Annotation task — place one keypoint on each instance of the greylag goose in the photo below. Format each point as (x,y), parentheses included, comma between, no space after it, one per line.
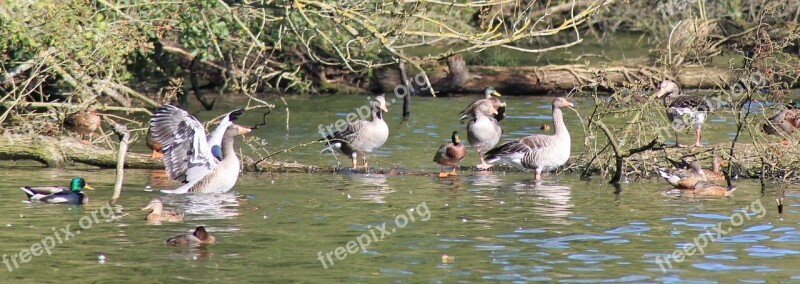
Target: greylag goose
(362,137)
(450,154)
(483,131)
(198,237)
(684,110)
(58,194)
(490,96)
(214,139)
(783,123)
(188,157)
(538,152)
(159,214)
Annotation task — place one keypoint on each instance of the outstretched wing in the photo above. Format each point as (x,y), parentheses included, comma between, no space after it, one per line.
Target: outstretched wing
(215,138)
(187,156)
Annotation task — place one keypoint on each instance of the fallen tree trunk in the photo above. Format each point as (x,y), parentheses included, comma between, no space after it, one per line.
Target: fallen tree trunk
(56,152)
(530,80)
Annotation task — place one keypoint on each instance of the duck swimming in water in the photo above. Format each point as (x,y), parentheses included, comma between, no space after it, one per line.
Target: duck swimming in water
(58,194)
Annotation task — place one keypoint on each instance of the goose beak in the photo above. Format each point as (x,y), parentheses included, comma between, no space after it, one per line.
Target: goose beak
(570,104)
(89,187)
(244,130)
(495,93)
(384,109)
(661,92)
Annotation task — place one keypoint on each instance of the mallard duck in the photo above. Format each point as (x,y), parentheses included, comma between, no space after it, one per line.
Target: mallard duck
(188,156)
(684,178)
(59,194)
(159,214)
(710,189)
(450,154)
(715,174)
(538,152)
(483,131)
(362,137)
(684,110)
(490,96)
(152,144)
(783,123)
(83,122)
(198,237)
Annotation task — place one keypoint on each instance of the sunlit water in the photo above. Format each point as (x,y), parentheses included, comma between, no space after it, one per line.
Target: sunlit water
(474,227)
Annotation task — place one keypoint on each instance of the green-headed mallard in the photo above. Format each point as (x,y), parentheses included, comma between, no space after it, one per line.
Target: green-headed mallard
(198,237)
(361,137)
(490,95)
(684,178)
(83,122)
(189,157)
(59,194)
(538,152)
(483,131)
(159,214)
(450,154)
(783,123)
(684,110)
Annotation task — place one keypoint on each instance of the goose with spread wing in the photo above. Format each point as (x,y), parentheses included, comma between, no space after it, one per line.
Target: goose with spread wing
(684,110)
(538,152)
(189,157)
(362,137)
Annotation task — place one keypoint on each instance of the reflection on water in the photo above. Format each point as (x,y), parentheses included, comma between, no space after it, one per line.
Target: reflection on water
(205,206)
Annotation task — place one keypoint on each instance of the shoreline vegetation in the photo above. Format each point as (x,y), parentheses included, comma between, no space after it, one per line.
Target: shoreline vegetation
(59,58)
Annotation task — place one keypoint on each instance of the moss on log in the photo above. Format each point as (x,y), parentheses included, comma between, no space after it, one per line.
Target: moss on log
(56,152)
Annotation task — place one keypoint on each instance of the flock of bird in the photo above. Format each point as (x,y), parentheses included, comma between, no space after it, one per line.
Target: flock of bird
(208,164)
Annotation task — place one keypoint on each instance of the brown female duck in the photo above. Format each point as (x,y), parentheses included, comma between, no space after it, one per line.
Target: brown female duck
(159,214)
(450,154)
(83,122)
(784,123)
(684,178)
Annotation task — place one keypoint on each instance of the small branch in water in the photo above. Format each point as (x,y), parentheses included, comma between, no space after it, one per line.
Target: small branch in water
(124,135)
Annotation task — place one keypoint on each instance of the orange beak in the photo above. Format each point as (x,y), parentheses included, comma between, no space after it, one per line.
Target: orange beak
(384,109)
(244,130)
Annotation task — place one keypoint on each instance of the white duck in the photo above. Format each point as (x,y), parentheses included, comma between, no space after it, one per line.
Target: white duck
(188,156)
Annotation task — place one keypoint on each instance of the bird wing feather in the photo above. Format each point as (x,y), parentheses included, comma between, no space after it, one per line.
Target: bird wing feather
(187,155)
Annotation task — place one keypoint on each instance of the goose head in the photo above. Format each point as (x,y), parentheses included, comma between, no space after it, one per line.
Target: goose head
(379,102)
(562,102)
(666,88)
(235,129)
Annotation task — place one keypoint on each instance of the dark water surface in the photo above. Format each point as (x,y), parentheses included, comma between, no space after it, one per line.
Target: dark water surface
(476,227)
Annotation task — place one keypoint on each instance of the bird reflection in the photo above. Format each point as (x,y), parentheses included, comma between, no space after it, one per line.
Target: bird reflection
(206,206)
(159,178)
(373,187)
(551,201)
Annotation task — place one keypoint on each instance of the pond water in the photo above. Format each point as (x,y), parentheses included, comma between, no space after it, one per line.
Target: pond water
(487,227)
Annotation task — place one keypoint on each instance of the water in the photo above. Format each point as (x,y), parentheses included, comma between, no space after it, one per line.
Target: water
(481,226)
